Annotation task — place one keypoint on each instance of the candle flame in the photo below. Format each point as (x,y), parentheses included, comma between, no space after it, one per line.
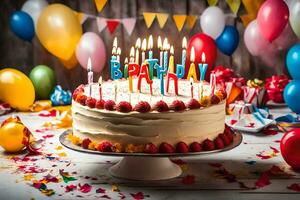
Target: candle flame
(165,44)
(126,60)
(203,57)
(131,52)
(184,43)
(118,51)
(115,43)
(100,80)
(114,51)
(172,50)
(144,44)
(138,43)
(192,54)
(159,43)
(150,42)
(89,65)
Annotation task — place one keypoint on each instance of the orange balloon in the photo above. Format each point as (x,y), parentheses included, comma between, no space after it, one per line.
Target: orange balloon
(71,63)
(59,30)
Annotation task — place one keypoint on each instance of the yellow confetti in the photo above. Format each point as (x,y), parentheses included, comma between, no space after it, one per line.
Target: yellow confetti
(28,177)
(58,148)
(114,188)
(63,154)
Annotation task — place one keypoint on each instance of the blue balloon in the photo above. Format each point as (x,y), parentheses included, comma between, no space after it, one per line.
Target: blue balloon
(22,25)
(293,61)
(292,95)
(228,41)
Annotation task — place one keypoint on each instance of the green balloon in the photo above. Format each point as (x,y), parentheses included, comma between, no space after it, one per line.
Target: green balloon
(44,81)
(295,16)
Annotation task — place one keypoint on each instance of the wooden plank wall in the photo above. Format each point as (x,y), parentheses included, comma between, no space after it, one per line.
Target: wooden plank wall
(24,55)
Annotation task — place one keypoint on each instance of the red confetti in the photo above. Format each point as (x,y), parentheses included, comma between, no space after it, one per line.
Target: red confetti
(250,125)
(51,113)
(70,188)
(274,149)
(86,188)
(100,190)
(263,180)
(270,132)
(47,136)
(233,121)
(105,196)
(294,187)
(188,180)
(121,195)
(139,195)
(264,156)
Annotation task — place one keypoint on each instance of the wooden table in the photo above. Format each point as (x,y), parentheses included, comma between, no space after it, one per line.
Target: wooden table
(237,174)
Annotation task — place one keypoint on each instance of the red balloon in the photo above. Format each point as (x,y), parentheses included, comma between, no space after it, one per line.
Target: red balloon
(290,147)
(202,43)
(272,18)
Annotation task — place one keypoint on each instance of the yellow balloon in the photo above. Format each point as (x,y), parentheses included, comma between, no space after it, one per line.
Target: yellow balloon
(16,89)
(11,137)
(59,30)
(71,63)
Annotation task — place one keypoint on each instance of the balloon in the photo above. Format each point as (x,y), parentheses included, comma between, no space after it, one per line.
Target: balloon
(16,89)
(291,95)
(212,21)
(91,46)
(295,16)
(293,61)
(34,8)
(290,147)
(254,41)
(71,63)
(22,25)
(44,81)
(272,17)
(202,43)
(59,30)
(286,39)
(228,41)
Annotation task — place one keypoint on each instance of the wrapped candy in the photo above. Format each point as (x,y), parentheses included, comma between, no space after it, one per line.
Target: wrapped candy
(255,93)
(60,97)
(275,86)
(238,109)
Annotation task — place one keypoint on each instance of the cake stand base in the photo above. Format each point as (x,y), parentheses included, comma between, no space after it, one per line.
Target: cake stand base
(145,168)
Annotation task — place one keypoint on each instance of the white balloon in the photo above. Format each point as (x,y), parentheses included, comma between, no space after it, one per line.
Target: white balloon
(212,21)
(34,8)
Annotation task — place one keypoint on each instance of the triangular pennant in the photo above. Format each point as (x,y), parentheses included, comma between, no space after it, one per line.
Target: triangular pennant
(191,20)
(162,19)
(212,2)
(112,24)
(149,18)
(100,4)
(234,5)
(179,21)
(129,24)
(101,23)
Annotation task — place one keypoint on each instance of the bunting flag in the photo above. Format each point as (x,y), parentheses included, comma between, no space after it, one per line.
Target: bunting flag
(212,2)
(112,24)
(234,5)
(252,7)
(100,4)
(162,19)
(179,21)
(81,17)
(149,18)
(191,20)
(101,23)
(129,24)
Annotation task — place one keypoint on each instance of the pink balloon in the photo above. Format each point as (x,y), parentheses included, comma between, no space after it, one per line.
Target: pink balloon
(272,17)
(91,46)
(254,41)
(286,39)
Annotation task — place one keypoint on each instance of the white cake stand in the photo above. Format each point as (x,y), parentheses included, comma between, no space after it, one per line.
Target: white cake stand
(142,166)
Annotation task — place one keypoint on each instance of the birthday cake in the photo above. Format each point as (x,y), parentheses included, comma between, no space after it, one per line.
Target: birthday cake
(137,115)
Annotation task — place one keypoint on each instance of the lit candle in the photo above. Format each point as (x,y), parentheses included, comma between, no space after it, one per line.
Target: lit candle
(192,87)
(144,47)
(160,47)
(183,56)
(131,55)
(165,48)
(202,67)
(171,60)
(212,83)
(126,68)
(114,53)
(115,42)
(100,87)
(90,76)
(133,70)
(152,63)
(115,65)
(150,46)
(118,54)
(137,46)
(192,70)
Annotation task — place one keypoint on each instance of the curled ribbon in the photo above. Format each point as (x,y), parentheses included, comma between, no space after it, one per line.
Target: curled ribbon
(275,86)
(60,96)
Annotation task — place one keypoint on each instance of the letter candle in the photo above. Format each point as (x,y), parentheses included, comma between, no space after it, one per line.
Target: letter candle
(100,87)
(212,83)
(202,68)
(192,87)
(160,47)
(171,60)
(160,75)
(165,48)
(90,76)
(150,46)
(131,61)
(152,63)
(192,70)
(118,54)
(144,47)
(126,68)
(183,55)
(137,46)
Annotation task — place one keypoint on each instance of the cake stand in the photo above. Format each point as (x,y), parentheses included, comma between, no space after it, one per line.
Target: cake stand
(142,166)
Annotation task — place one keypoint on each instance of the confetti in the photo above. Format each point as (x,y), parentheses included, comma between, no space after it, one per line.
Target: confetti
(58,148)
(86,188)
(51,113)
(100,190)
(47,136)
(270,132)
(105,196)
(114,188)
(28,177)
(70,188)
(66,176)
(294,187)
(139,195)
(188,180)
(63,154)
(264,156)
(43,188)
(263,180)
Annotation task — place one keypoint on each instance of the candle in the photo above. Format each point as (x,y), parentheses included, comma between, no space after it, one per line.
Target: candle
(131,55)
(100,87)
(113,53)
(183,55)
(118,54)
(192,87)
(202,67)
(171,60)
(144,47)
(192,70)
(144,74)
(115,65)
(137,46)
(175,80)
(160,75)
(160,47)
(115,42)
(150,46)
(165,48)
(126,68)
(90,76)
(152,63)
(212,83)
(133,70)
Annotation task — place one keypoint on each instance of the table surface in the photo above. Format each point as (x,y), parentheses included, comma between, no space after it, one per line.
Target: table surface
(240,173)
